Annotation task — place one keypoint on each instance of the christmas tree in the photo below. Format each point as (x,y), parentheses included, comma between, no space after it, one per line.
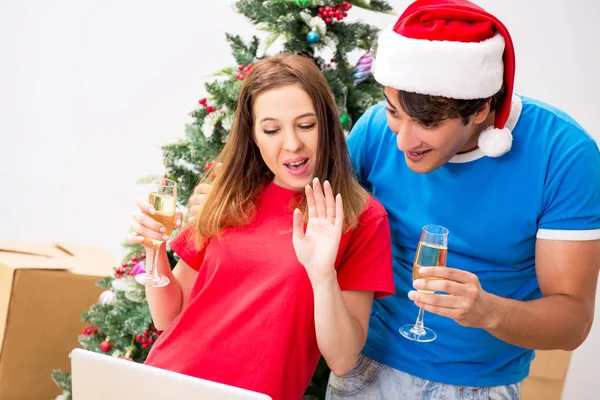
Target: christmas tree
(314,28)
(120,324)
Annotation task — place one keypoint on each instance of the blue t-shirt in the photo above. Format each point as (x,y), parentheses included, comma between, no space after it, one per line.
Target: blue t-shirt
(547,186)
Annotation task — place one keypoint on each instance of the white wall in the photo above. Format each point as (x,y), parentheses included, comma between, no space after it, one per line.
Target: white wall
(90,89)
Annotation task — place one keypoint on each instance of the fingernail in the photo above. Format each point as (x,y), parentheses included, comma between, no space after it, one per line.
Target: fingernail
(422,271)
(178,222)
(162,229)
(411,294)
(139,239)
(165,238)
(418,283)
(151,210)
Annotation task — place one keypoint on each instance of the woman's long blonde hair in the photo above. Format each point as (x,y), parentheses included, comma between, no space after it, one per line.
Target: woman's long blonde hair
(231,201)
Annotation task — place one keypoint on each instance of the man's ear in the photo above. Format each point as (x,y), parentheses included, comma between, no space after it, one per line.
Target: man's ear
(482,114)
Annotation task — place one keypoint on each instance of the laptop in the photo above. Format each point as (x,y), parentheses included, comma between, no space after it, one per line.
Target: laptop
(101,377)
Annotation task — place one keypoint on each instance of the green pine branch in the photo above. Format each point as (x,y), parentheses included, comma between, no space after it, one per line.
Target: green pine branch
(243,53)
(63,381)
(373,5)
(353,35)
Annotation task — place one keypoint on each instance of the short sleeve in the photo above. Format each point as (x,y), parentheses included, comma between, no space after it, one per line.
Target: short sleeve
(366,263)
(571,201)
(185,246)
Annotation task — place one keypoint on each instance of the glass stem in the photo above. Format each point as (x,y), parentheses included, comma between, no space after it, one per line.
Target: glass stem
(153,268)
(418,328)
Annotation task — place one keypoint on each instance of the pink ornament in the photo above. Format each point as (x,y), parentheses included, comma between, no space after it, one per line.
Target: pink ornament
(362,70)
(107,297)
(138,269)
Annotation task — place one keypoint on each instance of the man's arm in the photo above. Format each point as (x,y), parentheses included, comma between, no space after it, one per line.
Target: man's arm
(568,275)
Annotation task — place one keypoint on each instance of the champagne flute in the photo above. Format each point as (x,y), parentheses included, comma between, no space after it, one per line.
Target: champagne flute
(431,252)
(163,197)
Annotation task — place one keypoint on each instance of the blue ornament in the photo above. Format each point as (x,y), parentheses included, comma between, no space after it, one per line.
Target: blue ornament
(313,37)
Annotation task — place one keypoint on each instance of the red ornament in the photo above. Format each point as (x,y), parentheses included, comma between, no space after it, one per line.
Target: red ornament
(143,256)
(243,71)
(210,109)
(145,345)
(105,346)
(124,265)
(208,165)
(338,11)
(202,102)
(134,259)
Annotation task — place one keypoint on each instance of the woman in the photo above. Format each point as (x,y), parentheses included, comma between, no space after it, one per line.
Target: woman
(275,271)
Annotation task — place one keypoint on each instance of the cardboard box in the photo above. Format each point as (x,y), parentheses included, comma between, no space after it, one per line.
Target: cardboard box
(43,291)
(547,376)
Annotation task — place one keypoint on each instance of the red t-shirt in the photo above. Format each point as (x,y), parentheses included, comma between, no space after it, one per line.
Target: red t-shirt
(249,321)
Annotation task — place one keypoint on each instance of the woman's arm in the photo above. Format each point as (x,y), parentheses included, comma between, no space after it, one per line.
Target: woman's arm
(342,322)
(167,302)
(341,316)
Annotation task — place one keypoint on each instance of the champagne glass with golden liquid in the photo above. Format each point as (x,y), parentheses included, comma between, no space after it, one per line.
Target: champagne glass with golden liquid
(431,252)
(163,197)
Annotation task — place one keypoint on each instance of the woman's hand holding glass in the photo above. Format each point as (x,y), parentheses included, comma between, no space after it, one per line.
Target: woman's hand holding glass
(152,225)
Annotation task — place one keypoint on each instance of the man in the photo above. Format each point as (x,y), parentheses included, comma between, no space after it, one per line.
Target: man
(524,217)
(517,184)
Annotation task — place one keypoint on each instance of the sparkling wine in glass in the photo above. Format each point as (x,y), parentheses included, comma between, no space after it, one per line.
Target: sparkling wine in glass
(163,197)
(431,252)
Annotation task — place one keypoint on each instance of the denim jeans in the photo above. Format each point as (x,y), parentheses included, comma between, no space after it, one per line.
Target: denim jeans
(371,380)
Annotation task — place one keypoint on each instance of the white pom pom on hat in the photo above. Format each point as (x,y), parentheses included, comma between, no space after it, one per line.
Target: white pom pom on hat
(494,142)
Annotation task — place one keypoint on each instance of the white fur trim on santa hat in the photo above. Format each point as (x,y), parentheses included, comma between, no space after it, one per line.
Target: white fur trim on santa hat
(456,70)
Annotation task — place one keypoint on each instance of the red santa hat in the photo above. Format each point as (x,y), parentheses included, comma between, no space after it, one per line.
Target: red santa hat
(454,49)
